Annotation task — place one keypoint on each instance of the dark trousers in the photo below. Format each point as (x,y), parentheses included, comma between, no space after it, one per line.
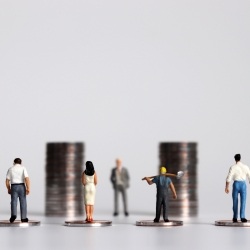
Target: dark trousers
(122,189)
(161,200)
(18,191)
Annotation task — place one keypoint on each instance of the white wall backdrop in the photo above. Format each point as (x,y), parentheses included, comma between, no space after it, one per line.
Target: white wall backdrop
(123,76)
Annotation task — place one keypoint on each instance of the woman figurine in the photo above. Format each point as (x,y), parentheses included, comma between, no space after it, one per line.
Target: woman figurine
(89,180)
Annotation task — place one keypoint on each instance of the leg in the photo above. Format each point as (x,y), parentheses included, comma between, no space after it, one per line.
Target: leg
(13,203)
(116,201)
(235,200)
(23,202)
(158,209)
(124,198)
(86,211)
(165,208)
(91,212)
(243,195)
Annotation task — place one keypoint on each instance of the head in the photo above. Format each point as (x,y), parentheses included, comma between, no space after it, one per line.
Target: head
(163,170)
(118,162)
(17,161)
(90,170)
(237,157)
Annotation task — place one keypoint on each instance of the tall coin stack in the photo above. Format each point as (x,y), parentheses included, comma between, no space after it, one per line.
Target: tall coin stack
(181,156)
(64,191)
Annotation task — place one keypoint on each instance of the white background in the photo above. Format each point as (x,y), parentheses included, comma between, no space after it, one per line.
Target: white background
(123,76)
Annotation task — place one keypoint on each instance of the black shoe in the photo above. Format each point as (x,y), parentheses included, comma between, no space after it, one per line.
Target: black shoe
(25,220)
(115,214)
(235,220)
(126,214)
(155,220)
(12,218)
(166,220)
(243,220)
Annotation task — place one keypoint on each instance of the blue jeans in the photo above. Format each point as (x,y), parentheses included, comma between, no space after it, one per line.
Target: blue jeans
(239,187)
(18,191)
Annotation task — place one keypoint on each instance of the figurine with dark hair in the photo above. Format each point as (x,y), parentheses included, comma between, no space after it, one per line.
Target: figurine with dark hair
(238,174)
(18,185)
(163,182)
(89,180)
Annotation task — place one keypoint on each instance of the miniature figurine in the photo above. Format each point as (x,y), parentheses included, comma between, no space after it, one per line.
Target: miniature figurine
(163,182)
(120,180)
(89,180)
(238,173)
(18,185)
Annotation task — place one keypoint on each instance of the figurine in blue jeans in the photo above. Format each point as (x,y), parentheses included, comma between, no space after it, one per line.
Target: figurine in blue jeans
(238,174)
(18,185)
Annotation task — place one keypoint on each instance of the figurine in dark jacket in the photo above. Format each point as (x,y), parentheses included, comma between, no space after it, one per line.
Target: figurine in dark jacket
(120,180)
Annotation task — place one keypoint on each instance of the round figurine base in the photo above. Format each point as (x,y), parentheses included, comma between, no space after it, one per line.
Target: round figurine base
(229,223)
(161,223)
(18,223)
(83,223)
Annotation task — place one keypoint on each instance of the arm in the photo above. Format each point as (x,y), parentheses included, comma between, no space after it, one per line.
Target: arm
(173,190)
(112,177)
(226,188)
(229,178)
(27,183)
(83,179)
(148,180)
(7,182)
(95,179)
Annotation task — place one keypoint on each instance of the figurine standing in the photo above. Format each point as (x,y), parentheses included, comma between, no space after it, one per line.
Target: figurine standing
(162,184)
(120,180)
(89,180)
(238,173)
(18,185)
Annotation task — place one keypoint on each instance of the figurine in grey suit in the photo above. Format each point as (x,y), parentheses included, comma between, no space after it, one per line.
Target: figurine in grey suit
(120,180)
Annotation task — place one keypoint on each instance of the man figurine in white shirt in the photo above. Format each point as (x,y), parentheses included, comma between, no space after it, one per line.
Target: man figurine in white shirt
(238,173)
(18,185)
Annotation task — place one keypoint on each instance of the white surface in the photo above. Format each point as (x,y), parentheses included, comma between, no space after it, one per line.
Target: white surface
(123,76)
(200,233)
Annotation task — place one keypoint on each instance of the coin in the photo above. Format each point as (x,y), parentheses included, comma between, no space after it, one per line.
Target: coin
(64,190)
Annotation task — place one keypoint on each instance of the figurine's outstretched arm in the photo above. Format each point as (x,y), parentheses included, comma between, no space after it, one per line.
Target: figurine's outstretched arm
(178,175)
(172,175)
(148,180)
(173,190)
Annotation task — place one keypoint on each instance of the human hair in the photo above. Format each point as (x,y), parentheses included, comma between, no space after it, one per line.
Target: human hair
(237,157)
(18,161)
(90,170)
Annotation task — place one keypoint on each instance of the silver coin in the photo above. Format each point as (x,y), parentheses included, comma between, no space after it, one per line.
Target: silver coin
(82,223)
(151,223)
(229,223)
(18,223)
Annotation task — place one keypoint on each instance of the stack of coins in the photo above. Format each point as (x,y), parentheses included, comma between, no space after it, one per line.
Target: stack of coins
(64,190)
(181,156)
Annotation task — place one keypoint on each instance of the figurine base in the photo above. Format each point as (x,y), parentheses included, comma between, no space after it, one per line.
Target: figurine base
(161,223)
(83,223)
(229,223)
(18,223)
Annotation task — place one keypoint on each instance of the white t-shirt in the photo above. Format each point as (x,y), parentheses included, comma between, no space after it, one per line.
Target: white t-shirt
(238,172)
(16,174)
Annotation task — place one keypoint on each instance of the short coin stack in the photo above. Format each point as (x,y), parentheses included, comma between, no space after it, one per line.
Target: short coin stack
(181,156)
(64,190)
